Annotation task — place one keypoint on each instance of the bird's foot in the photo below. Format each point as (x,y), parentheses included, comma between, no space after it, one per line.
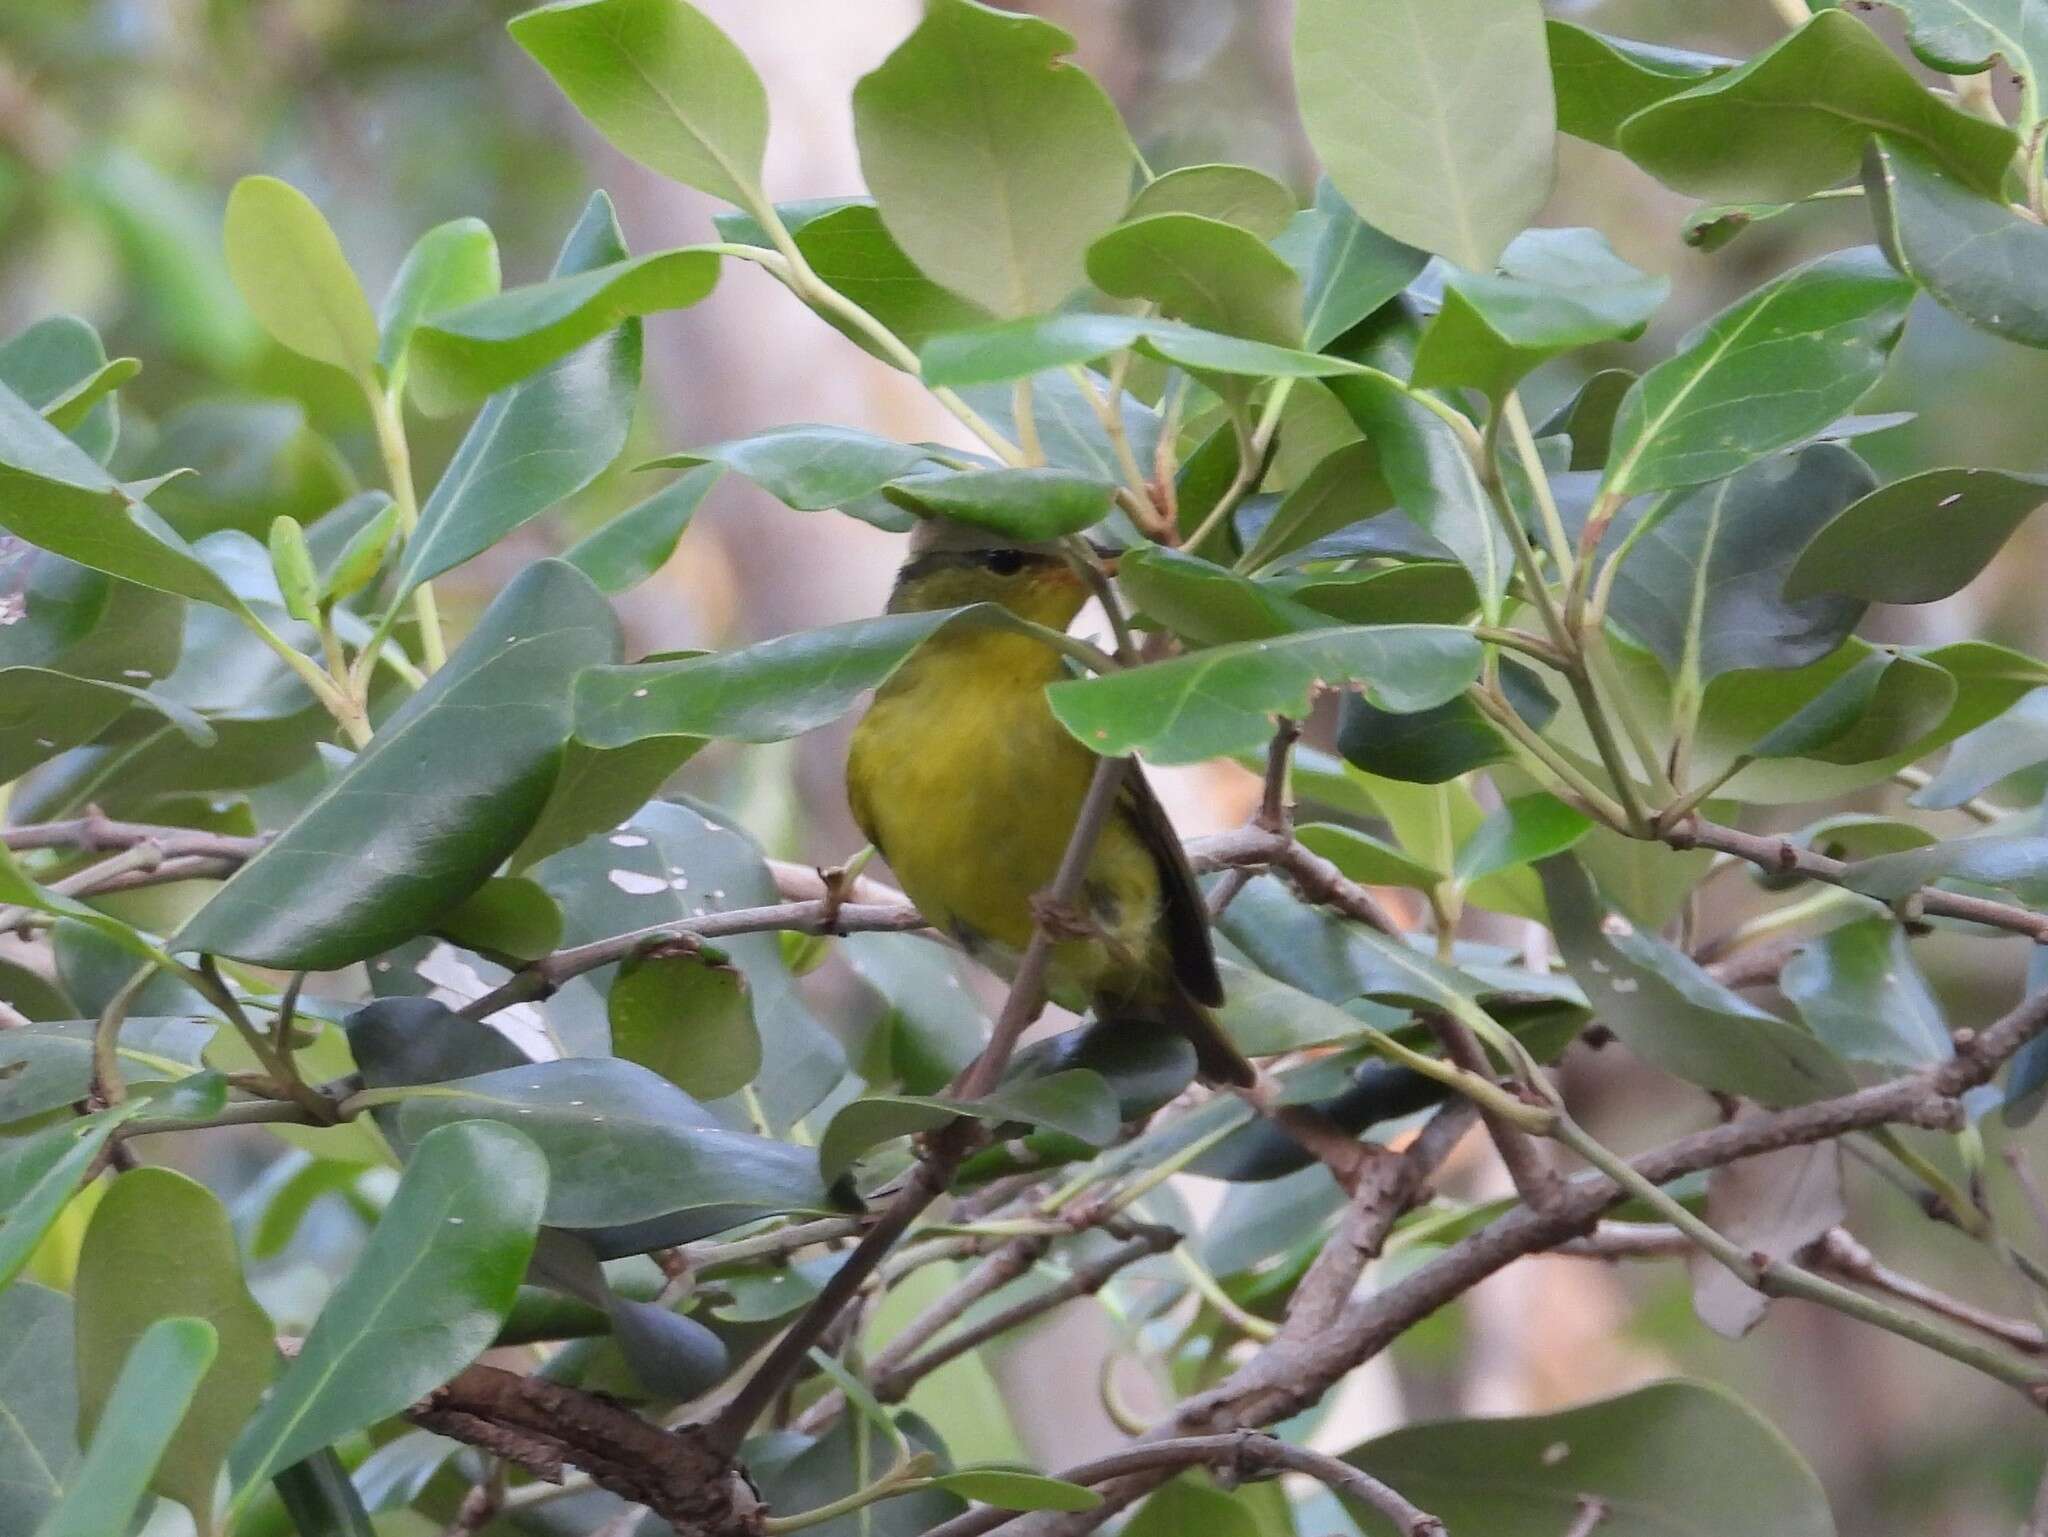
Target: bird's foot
(1062,921)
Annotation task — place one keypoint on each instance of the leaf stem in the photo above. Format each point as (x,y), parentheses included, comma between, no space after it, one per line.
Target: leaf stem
(389,420)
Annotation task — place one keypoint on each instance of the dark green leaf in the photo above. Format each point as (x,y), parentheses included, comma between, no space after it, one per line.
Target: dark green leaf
(1795,118)
(291,273)
(1883,705)
(1703,585)
(598,788)
(541,441)
(1669,1458)
(1771,370)
(1421,592)
(423,1300)
(1223,700)
(1556,289)
(38,1405)
(1365,858)
(1672,1014)
(1236,194)
(1185,1506)
(1602,81)
(160,1247)
(506,916)
(1027,504)
(1348,269)
(1218,276)
(1860,989)
(810,467)
(1344,490)
(1076,1101)
(848,1457)
(631,546)
(451,265)
(465,354)
(1919,539)
(1015,349)
(320,1498)
(140,1416)
(423,815)
(933,1026)
(1525,830)
(1434,746)
(622,1144)
(994,164)
(688,1018)
(1265,1017)
(1589,420)
(43,713)
(1145,1069)
(1434,118)
(1970,250)
(1207,603)
(662,83)
(39,1173)
(1009,1489)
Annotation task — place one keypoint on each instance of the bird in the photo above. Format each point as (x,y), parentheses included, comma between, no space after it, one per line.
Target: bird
(964,781)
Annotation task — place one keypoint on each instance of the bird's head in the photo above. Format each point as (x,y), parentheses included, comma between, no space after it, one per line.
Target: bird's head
(952,564)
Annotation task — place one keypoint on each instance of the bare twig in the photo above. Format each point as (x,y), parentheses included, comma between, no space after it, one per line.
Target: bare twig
(1839,1252)
(1534,1179)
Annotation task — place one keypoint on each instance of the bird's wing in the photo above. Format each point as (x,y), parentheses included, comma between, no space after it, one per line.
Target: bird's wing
(1182,909)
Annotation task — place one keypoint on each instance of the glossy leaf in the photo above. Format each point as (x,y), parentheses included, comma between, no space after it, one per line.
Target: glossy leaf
(160,1246)
(450,266)
(1432,476)
(1917,540)
(631,546)
(1076,1101)
(1209,604)
(1348,269)
(1204,271)
(542,441)
(1344,490)
(1795,119)
(1223,700)
(1972,252)
(1525,830)
(1236,194)
(423,1300)
(1434,118)
(1029,505)
(465,354)
(423,815)
(290,269)
(507,916)
(1603,81)
(1671,1457)
(993,163)
(1015,349)
(1556,289)
(688,1018)
(1770,370)
(1703,585)
(1675,1017)
(38,1405)
(622,1144)
(1589,419)
(662,83)
(1860,989)
(808,466)
(136,1424)
(1010,1489)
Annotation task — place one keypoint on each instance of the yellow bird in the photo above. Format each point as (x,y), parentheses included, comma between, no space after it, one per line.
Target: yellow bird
(963,780)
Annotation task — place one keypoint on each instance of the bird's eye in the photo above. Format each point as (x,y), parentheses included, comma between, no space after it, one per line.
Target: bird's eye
(1005,562)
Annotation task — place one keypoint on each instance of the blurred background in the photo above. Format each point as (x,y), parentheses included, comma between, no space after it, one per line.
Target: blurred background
(124,122)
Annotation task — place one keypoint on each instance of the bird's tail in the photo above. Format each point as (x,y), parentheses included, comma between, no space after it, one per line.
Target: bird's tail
(1217,1058)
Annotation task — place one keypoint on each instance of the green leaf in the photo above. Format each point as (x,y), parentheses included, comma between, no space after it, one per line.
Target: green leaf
(423,1300)
(451,265)
(1973,253)
(1207,603)
(1236,194)
(1185,1506)
(631,546)
(507,916)
(1768,371)
(1861,991)
(1712,225)
(1993,859)
(1675,1017)
(465,354)
(1673,1457)
(38,1405)
(808,466)
(1882,705)
(1919,539)
(421,817)
(1266,1017)
(140,1417)
(17,890)
(662,83)
(43,713)
(292,274)
(292,563)
(1008,1489)
(1344,489)
(1420,592)
(932,1026)
(1967,37)
(622,1144)
(57,497)
(2016,740)
(1433,478)
(598,788)
(1018,348)
(1603,81)
(540,442)
(1557,289)
(1702,586)
(1223,700)
(320,1498)
(1525,830)
(687,1017)
(762,693)
(1795,119)
(1201,270)
(48,1065)
(1348,269)
(1365,858)
(1434,118)
(160,1246)
(357,563)
(1030,505)
(59,366)
(1076,1101)
(993,163)
(1589,418)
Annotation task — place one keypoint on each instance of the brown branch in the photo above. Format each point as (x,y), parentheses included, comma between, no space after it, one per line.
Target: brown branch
(101,834)
(1237,1454)
(1535,1181)
(1839,1252)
